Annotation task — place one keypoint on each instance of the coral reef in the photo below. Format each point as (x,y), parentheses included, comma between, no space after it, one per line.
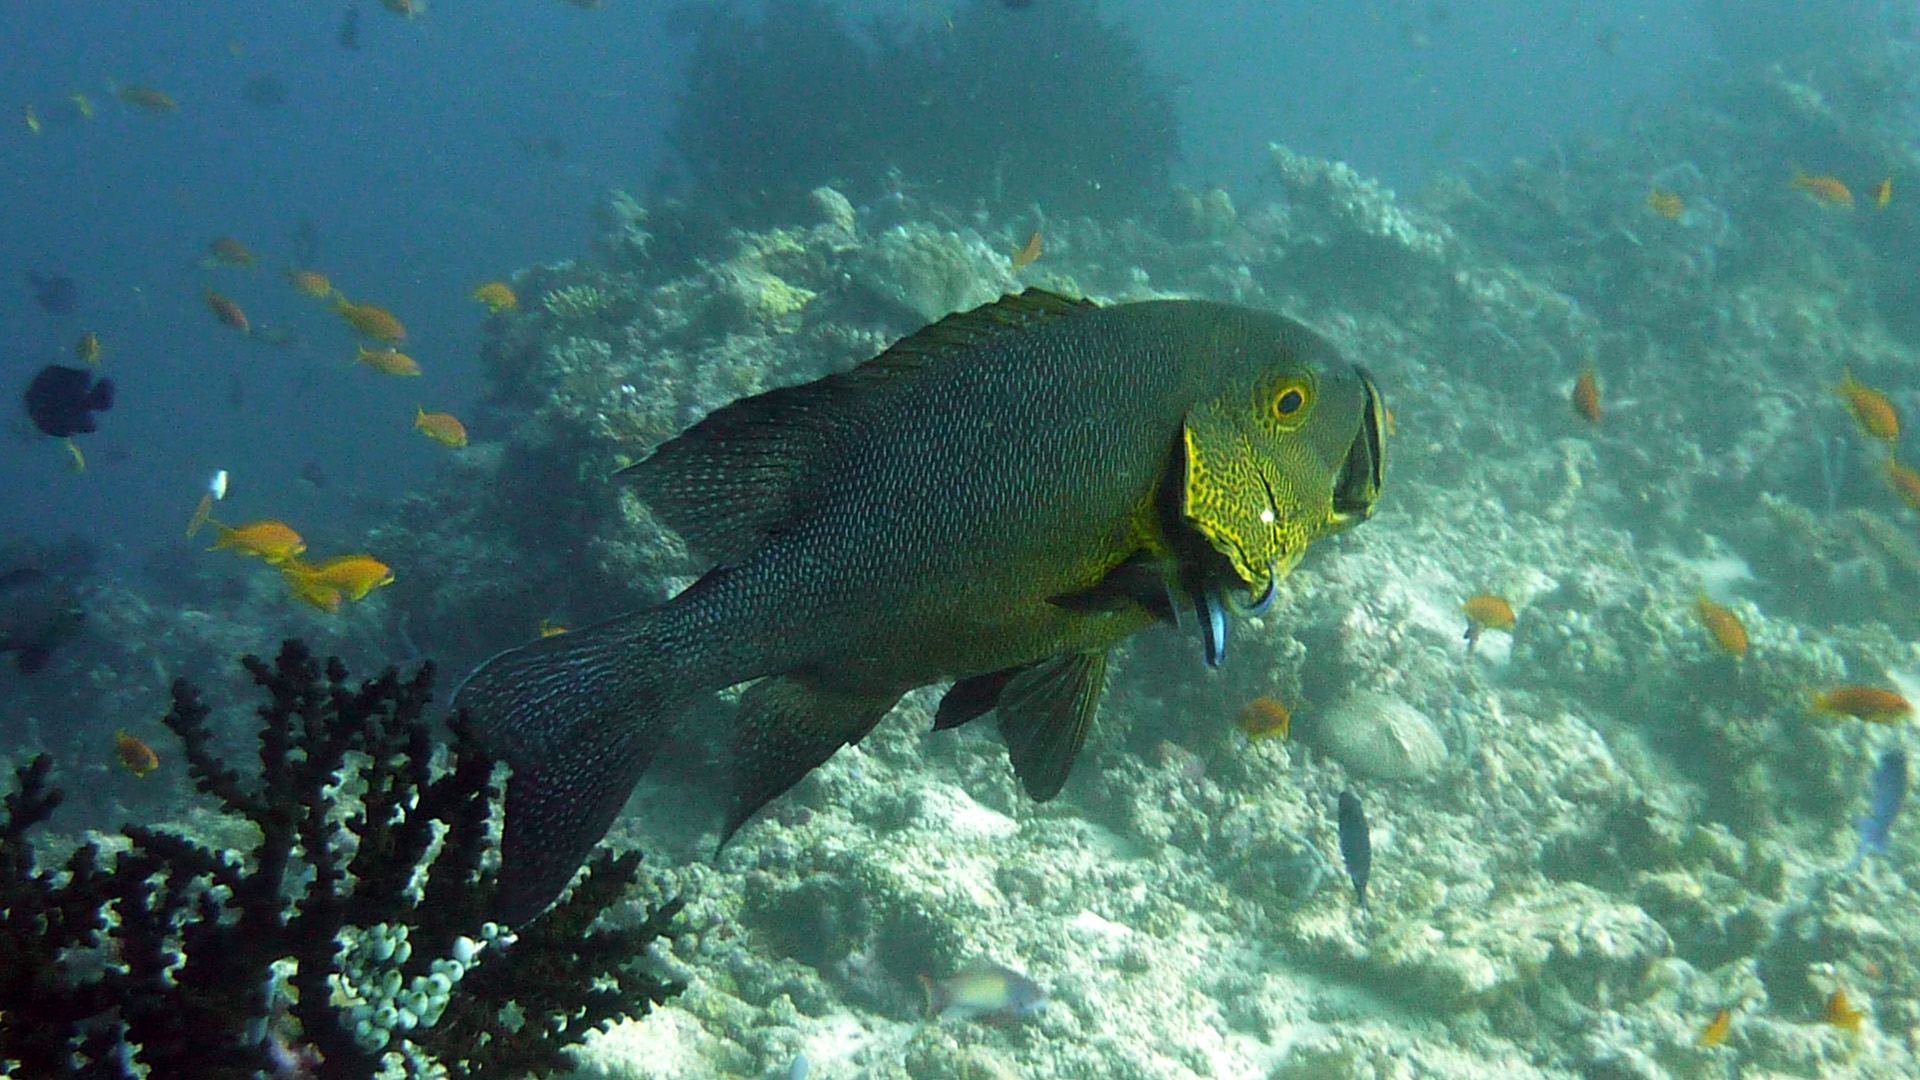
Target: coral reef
(347,938)
(1051,106)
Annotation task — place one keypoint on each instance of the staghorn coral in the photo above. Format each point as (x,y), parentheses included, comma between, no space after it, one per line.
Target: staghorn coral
(349,941)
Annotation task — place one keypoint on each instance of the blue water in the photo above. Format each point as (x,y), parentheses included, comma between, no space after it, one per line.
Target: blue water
(401,163)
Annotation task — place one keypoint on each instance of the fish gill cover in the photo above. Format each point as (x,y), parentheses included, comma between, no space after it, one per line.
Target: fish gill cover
(348,939)
(1051,105)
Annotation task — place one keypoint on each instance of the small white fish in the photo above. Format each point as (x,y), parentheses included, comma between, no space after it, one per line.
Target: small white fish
(984,992)
(217,487)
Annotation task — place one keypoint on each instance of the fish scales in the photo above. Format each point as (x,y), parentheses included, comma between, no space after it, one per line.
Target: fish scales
(968,506)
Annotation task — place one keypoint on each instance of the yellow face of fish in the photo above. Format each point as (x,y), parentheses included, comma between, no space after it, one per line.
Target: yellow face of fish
(1270,471)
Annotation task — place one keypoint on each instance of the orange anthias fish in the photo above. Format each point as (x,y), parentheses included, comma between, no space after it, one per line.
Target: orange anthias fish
(135,756)
(1883,193)
(1586,396)
(226,311)
(1825,190)
(388,361)
(1841,1013)
(549,628)
(1728,631)
(146,97)
(273,541)
(87,349)
(1264,718)
(375,322)
(226,251)
(1871,409)
(1716,1030)
(1869,703)
(1904,482)
(1486,611)
(311,283)
(441,427)
(202,513)
(1026,255)
(1666,203)
(352,576)
(498,296)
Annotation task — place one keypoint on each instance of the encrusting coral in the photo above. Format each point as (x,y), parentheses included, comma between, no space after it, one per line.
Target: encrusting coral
(350,940)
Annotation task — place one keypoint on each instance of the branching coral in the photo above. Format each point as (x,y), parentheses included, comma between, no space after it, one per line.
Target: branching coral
(349,941)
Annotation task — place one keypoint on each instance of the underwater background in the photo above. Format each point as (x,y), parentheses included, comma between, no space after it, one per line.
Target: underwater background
(1619,671)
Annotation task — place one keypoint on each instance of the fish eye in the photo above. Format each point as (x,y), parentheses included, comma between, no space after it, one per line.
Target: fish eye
(1290,402)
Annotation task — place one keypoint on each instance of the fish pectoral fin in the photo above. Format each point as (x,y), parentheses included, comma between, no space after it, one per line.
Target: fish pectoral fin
(786,727)
(1045,712)
(971,698)
(1139,580)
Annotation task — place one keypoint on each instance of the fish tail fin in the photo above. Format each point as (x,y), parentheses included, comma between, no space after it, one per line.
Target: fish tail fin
(578,716)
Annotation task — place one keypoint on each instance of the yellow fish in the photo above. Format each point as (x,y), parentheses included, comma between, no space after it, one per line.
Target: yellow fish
(498,296)
(388,361)
(549,628)
(82,107)
(226,251)
(311,283)
(76,461)
(1825,190)
(441,427)
(371,320)
(273,541)
(1667,204)
(1883,193)
(87,349)
(353,575)
(28,118)
(135,755)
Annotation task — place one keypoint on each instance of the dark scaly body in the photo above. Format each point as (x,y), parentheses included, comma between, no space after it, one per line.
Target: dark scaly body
(982,503)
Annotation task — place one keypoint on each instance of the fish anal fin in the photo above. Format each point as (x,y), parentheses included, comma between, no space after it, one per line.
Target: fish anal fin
(787,726)
(1045,713)
(1140,580)
(731,480)
(971,698)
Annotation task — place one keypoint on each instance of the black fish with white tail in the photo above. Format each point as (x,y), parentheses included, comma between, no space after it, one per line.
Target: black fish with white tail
(995,501)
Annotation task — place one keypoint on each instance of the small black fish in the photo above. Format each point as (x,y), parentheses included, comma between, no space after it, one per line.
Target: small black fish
(55,292)
(349,36)
(1355,846)
(36,614)
(61,401)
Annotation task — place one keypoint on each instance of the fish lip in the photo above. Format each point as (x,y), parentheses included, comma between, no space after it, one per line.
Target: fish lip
(1357,490)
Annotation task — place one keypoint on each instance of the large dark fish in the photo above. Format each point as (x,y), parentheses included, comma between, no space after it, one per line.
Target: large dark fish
(998,499)
(61,401)
(37,613)
(1356,845)
(56,293)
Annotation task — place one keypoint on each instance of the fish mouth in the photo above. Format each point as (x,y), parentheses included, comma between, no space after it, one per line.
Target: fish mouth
(1358,488)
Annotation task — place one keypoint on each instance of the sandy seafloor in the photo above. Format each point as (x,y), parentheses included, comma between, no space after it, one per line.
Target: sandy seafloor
(1588,835)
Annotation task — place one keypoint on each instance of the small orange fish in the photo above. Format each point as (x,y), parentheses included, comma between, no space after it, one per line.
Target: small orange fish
(1485,611)
(1904,482)
(1026,255)
(354,575)
(311,283)
(1716,1030)
(273,541)
(135,756)
(226,251)
(1871,409)
(388,361)
(441,427)
(202,513)
(1883,193)
(498,296)
(1586,396)
(226,311)
(1666,203)
(1869,703)
(1263,718)
(549,628)
(1841,1013)
(375,322)
(146,97)
(87,349)
(1825,190)
(1728,631)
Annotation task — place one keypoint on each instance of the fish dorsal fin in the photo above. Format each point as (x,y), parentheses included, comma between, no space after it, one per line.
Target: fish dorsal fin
(731,480)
